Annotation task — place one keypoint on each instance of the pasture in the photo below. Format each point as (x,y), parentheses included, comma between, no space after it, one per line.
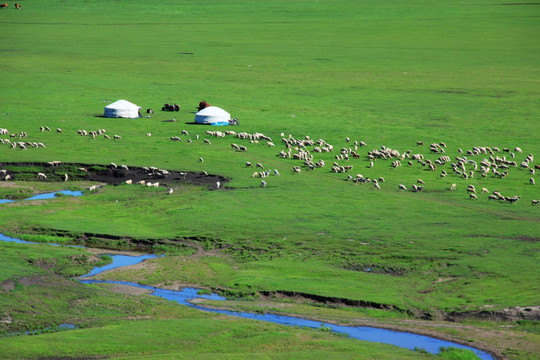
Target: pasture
(393,76)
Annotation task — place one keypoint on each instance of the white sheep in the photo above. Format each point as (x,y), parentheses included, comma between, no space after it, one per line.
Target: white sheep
(170,191)
(473,196)
(276,172)
(129,182)
(218,184)
(263,183)
(66,177)
(402,187)
(201,159)
(41,176)
(531,181)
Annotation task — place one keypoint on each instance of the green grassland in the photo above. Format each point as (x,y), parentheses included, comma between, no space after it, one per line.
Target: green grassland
(388,74)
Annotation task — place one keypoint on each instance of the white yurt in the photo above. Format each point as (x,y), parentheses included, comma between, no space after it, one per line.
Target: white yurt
(123,109)
(212,115)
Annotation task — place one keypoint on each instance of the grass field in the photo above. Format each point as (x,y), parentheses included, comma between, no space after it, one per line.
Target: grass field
(388,74)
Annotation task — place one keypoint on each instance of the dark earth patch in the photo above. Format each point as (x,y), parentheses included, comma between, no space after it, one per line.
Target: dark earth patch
(26,171)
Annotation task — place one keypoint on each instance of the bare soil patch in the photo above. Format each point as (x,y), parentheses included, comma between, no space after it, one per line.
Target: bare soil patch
(108,174)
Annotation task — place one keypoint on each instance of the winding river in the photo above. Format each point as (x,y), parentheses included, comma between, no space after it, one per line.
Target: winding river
(184,297)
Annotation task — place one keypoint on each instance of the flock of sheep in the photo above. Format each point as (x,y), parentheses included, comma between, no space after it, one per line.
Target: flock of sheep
(480,161)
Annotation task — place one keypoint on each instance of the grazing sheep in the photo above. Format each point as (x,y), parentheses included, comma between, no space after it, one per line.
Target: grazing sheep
(420,181)
(124,167)
(484,190)
(402,187)
(259,165)
(206,141)
(170,191)
(149,184)
(129,182)
(235,146)
(276,172)
(113,165)
(513,199)
(243,148)
(184,132)
(59,130)
(473,196)
(201,159)
(204,173)
(263,183)
(117,137)
(453,186)
(7,178)
(377,186)
(148,134)
(531,181)
(107,137)
(66,177)
(142,182)
(156,184)
(248,164)
(534,202)
(41,176)
(255,174)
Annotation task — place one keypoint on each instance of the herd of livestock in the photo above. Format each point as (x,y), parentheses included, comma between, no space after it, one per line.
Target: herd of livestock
(479,161)
(6,6)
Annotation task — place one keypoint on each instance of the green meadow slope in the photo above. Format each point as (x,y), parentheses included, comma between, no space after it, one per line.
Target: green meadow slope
(388,74)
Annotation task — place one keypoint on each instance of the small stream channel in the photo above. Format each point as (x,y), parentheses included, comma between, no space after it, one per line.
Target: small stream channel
(184,297)
(45,196)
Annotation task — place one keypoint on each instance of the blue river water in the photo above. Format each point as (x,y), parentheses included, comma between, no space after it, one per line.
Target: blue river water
(184,297)
(46,196)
